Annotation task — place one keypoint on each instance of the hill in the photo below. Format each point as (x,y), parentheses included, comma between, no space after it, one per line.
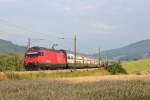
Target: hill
(138,66)
(136,50)
(9,47)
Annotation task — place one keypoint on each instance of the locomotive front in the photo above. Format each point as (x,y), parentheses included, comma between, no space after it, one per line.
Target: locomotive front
(33,58)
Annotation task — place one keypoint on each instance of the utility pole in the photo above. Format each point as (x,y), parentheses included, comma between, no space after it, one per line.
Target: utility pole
(99,57)
(106,61)
(29,43)
(75,48)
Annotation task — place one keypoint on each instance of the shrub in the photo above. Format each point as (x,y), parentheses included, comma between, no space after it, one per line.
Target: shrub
(116,69)
(11,62)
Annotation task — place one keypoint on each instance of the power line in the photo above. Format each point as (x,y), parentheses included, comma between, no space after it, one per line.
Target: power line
(23,28)
(31,31)
(3,32)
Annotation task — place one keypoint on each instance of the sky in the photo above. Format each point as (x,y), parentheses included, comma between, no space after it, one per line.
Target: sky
(105,24)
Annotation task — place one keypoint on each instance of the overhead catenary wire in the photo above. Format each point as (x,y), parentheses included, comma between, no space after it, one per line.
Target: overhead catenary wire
(19,27)
(6,22)
(3,32)
(16,26)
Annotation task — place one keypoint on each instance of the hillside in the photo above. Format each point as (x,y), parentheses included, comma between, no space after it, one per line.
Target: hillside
(9,47)
(138,66)
(133,51)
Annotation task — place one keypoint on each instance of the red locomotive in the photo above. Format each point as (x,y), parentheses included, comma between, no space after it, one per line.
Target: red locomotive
(42,58)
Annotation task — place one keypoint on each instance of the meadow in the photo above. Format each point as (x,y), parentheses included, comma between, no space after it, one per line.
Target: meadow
(137,67)
(83,88)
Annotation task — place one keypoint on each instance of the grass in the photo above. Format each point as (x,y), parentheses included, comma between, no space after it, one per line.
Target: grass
(137,66)
(11,62)
(65,90)
(48,75)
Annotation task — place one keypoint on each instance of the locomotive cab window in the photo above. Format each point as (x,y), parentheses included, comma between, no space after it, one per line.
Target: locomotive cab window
(68,57)
(34,54)
(42,54)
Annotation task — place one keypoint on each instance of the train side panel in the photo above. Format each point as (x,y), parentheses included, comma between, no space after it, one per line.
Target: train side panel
(50,59)
(55,60)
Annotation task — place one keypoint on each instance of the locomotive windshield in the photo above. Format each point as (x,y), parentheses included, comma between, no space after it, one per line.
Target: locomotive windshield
(33,54)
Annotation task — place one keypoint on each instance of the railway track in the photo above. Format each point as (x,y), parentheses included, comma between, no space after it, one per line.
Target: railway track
(54,71)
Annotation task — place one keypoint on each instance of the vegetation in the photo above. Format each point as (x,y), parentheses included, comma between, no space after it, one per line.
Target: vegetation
(116,69)
(11,62)
(49,75)
(137,66)
(65,90)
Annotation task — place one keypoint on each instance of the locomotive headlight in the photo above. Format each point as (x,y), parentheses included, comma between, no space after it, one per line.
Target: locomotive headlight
(48,61)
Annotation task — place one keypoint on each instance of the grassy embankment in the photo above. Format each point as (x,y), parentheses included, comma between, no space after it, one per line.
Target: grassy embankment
(49,74)
(135,67)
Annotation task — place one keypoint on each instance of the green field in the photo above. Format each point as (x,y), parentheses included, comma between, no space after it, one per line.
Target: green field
(137,66)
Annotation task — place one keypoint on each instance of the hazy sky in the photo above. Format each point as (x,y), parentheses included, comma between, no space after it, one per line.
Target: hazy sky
(97,23)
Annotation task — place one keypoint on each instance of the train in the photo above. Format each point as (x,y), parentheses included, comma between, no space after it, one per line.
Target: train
(39,58)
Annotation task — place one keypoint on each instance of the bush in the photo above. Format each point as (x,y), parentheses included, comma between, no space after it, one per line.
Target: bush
(11,62)
(116,69)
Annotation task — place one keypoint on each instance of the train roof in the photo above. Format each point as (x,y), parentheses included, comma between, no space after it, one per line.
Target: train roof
(67,51)
(42,48)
